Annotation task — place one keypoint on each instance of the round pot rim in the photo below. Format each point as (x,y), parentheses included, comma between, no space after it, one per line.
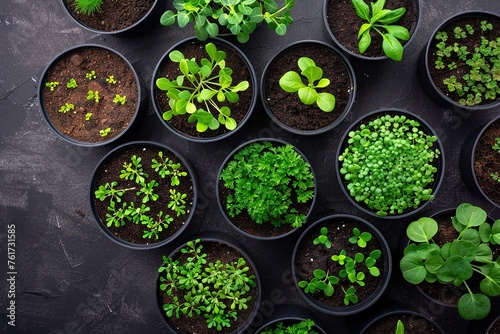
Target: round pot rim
(440,161)
(248,258)
(41,87)
(289,318)
(217,41)
(443,24)
(362,305)
(226,160)
(403,312)
(413,32)
(120,32)
(350,71)
(102,225)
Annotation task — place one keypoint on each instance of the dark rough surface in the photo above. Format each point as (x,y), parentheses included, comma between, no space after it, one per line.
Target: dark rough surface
(72,279)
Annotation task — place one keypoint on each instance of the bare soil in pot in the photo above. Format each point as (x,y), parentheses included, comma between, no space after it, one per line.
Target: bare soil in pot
(113,15)
(105,113)
(344,23)
(288,108)
(413,324)
(487,161)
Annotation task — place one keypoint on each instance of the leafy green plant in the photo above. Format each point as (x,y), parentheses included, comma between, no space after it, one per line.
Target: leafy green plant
(389,163)
(265,180)
(88,116)
(51,85)
(383,22)
(455,262)
(104,132)
(323,238)
(88,7)
(111,80)
(120,99)
(197,286)
(201,88)
(291,82)
(303,327)
(67,107)
(239,17)
(93,95)
(72,83)
(91,75)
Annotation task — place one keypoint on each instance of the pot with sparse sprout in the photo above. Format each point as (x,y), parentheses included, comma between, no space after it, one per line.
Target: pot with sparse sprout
(294,325)
(402,321)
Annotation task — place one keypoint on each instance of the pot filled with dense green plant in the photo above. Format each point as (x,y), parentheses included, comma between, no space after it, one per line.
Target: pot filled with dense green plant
(290,325)
(459,250)
(308,87)
(390,163)
(266,188)
(341,264)
(372,30)
(208,286)
(480,161)
(117,18)
(240,18)
(204,90)
(90,95)
(459,66)
(401,322)
(143,194)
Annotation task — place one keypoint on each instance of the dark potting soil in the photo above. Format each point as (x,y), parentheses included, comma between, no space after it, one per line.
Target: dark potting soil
(344,23)
(241,73)
(471,42)
(413,324)
(310,257)
(113,15)
(288,108)
(105,113)
(111,171)
(487,161)
(197,324)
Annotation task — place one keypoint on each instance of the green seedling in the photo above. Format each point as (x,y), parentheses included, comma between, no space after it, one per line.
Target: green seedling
(72,83)
(177,202)
(360,238)
(496,175)
(120,99)
(67,107)
(51,85)
(166,167)
(400,327)
(88,116)
(323,238)
(104,132)
(111,80)
(93,95)
(90,75)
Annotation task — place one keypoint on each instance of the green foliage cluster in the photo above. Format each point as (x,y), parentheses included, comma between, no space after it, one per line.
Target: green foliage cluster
(302,327)
(214,289)
(480,64)
(354,268)
(137,211)
(388,164)
(240,17)
(381,20)
(291,82)
(266,181)
(88,7)
(455,262)
(200,90)
(496,176)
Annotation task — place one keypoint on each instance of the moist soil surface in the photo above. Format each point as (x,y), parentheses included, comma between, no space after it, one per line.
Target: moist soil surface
(113,15)
(487,161)
(111,171)
(197,324)
(287,107)
(171,71)
(344,24)
(310,257)
(414,324)
(105,113)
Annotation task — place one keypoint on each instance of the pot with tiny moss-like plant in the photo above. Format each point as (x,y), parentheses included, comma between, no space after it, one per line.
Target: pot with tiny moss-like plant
(308,88)
(341,264)
(459,65)
(390,163)
(143,194)
(266,188)
(204,90)
(400,322)
(90,95)
(291,325)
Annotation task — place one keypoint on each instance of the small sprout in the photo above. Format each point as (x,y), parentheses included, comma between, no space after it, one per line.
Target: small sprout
(111,80)
(400,327)
(88,7)
(51,85)
(71,83)
(104,132)
(485,25)
(360,238)
(67,107)
(90,75)
(88,116)
(120,99)
(323,238)
(93,95)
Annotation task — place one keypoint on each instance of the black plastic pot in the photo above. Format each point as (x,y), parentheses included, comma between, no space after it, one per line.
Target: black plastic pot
(424,74)
(413,31)
(207,136)
(425,127)
(491,329)
(256,303)
(145,145)
(288,320)
(268,232)
(41,96)
(336,57)
(335,221)
(151,18)
(400,313)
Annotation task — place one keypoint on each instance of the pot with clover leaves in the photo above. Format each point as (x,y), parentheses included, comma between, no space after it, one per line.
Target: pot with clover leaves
(341,264)
(208,285)
(294,325)
(459,65)
(266,188)
(390,163)
(143,194)
(204,91)
(308,87)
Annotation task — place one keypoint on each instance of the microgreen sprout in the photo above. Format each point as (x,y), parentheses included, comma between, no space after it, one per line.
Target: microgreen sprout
(360,238)
(177,202)
(302,327)
(72,83)
(323,238)
(496,175)
(166,167)
(90,75)
(93,95)
(120,99)
(291,82)
(104,132)
(88,7)
(381,19)
(51,85)
(400,327)
(210,83)
(111,80)
(67,107)
(88,116)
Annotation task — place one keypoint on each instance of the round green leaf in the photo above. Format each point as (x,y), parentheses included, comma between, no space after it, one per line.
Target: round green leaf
(490,285)
(464,249)
(307,95)
(230,123)
(168,18)
(305,62)
(329,290)
(474,306)
(455,268)
(434,263)
(412,267)
(176,56)
(422,230)
(326,101)
(280,29)
(470,215)
(164,84)
(291,82)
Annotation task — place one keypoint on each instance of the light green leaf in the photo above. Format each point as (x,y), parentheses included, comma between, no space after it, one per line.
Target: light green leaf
(365,41)
(307,95)
(325,101)
(397,31)
(412,267)
(474,306)
(305,62)
(470,215)
(392,47)
(291,82)
(422,230)
(490,285)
